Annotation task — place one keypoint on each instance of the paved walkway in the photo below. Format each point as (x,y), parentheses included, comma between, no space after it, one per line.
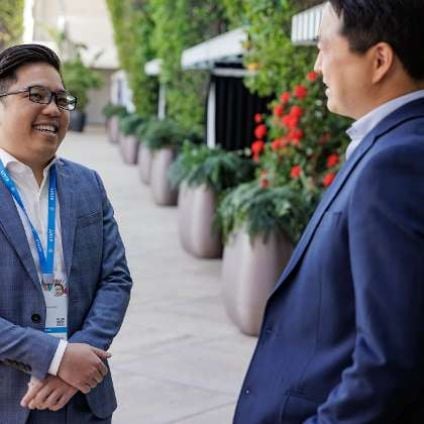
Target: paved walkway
(178,358)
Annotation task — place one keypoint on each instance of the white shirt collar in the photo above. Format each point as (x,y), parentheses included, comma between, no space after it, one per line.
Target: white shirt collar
(364,125)
(14,165)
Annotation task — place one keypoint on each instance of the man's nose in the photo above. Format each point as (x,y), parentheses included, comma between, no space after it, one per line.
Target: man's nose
(317,65)
(51,108)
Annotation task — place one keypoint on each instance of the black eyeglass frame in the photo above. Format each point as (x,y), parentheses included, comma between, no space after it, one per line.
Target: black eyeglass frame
(72,100)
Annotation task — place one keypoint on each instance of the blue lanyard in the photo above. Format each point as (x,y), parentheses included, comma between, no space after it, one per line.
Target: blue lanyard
(46,261)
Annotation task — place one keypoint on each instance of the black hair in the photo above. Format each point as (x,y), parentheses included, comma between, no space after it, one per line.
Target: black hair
(400,23)
(16,56)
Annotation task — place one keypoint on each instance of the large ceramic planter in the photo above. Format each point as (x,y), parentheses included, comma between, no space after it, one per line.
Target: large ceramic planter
(129,146)
(113,129)
(77,121)
(185,201)
(163,192)
(249,272)
(144,163)
(196,210)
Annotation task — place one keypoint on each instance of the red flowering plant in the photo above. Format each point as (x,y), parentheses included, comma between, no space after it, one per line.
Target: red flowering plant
(306,142)
(299,148)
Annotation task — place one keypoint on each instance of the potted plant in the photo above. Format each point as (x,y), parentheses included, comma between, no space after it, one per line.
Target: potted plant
(79,79)
(203,174)
(163,138)
(298,149)
(112,112)
(145,154)
(128,142)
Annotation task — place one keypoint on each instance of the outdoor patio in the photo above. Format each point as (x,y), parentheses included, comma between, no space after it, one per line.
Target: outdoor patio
(178,358)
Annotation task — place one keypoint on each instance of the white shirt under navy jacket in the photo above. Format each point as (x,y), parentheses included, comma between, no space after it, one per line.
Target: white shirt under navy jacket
(35,200)
(368,122)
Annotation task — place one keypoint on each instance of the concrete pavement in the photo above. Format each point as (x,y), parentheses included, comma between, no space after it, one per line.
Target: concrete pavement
(178,358)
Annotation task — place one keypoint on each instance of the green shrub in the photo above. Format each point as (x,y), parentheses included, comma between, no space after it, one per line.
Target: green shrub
(216,168)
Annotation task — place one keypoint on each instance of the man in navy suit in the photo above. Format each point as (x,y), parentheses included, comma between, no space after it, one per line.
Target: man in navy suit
(64,282)
(342,339)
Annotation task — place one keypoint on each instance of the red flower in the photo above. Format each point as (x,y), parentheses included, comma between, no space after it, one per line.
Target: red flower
(312,76)
(328,179)
(300,91)
(295,171)
(257,148)
(258,118)
(295,135)
(332,160)
(296,111)
(277,144)
(290,121)
(279,110)
(285,97)
(260,131)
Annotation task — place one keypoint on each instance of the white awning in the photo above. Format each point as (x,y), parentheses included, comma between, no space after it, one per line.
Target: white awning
(305,26)
(152,68)
(226,47)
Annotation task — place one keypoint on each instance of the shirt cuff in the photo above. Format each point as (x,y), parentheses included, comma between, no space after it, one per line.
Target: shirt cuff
(57,358)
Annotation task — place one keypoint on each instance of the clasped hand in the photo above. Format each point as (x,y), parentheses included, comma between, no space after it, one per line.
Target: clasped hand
(81,369)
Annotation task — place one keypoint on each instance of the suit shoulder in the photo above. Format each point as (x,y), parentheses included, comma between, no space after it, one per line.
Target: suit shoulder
(76,168)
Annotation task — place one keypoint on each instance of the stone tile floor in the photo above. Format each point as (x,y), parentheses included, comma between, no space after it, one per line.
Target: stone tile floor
(178,358)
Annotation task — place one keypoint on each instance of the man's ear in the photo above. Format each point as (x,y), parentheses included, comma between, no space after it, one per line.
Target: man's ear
(383,59)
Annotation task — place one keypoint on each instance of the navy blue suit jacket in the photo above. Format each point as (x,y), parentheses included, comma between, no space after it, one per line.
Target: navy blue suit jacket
(343,334)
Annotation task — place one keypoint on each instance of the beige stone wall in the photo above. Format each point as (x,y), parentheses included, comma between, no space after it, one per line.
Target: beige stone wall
(87,22)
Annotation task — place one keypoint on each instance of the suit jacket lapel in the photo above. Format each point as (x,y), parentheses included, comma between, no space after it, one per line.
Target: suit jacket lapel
(11,225)
(65,189)
(407,112)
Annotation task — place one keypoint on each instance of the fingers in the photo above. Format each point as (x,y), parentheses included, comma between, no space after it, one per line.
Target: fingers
(102,354)
(53,394)
(82,365)
(33,387)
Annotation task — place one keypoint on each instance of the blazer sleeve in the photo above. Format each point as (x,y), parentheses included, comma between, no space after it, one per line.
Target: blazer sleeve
(26,349)
(386,242)
(107,311)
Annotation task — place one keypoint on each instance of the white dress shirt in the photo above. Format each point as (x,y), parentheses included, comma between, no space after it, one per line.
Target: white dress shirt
(364,125)
(35,200)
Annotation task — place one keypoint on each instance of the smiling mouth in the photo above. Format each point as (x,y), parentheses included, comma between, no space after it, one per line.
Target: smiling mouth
(50,129)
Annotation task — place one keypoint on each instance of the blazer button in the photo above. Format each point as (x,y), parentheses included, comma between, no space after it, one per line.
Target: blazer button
(36,318)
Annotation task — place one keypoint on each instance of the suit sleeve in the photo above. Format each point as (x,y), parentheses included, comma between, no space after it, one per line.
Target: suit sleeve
(27,349)
(386,241)
(113,290)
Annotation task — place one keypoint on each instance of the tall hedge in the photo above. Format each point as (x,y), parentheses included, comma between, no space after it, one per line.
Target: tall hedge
(178,25)
(11,21)
(274,61)
(133,27)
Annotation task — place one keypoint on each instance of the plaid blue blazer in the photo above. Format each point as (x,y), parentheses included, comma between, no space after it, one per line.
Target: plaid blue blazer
(99,289)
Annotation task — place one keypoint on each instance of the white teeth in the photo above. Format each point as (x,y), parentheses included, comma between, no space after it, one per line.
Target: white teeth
(46,128)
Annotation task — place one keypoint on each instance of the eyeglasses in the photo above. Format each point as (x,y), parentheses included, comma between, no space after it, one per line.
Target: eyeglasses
(44,96)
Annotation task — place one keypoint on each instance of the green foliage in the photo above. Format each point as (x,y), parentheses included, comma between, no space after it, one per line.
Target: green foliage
(275,63)
(216,168)
(159,134)
(260,211)
(133,29)
(11,21)
(79,78)
(129,123)
(111,109)
(180,24)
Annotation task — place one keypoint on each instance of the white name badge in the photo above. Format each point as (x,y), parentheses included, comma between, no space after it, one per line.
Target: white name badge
(55,292)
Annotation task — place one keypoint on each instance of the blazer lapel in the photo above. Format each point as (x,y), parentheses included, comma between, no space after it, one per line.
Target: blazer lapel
(65,189)
(11,225)
(409,111)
